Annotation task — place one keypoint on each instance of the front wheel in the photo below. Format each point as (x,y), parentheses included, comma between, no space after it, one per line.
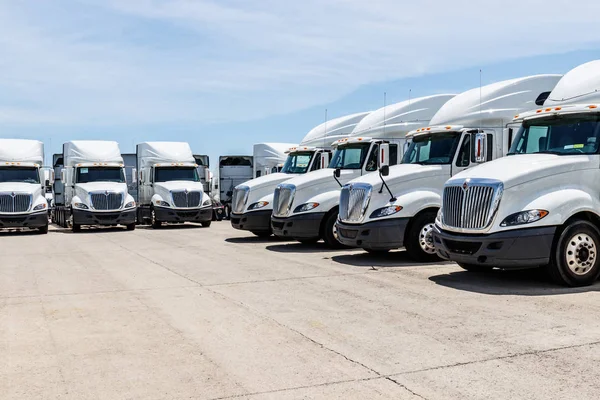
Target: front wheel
(419,238)
(130,227)
(76,228)
(155,223)
(43,230)
(206,224)
(330,234)
(574,260)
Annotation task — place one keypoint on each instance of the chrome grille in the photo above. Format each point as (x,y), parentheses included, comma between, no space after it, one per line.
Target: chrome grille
(106,200)
(470,205)
(283,199)
(239,199)
(185,199)
(14,202)
(354,200)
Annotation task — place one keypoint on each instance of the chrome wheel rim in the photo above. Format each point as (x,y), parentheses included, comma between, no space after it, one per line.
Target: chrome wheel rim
(426,239)
(335,232)
(153,217)
(581,253)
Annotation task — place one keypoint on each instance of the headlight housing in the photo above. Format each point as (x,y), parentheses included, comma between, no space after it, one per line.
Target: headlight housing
(306,207)
(256,206)
(385,211)
(439,216)
(81,206)
(524,217)
(131,204)
(40,207)
(162,203)
(206,203)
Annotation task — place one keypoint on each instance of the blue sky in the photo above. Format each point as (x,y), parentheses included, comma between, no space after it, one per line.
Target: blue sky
(229,73)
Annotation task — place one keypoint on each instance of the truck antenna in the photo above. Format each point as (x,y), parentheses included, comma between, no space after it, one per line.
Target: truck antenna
(384,110)
(480,115)
(325,135)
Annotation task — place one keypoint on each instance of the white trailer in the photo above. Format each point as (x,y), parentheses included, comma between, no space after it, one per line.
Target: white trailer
(233,171)
(169,187)
(95,188)
(305,208)
(269,157)
(22,185)
(253,200)
(539,206)
(203,162)
(396,207)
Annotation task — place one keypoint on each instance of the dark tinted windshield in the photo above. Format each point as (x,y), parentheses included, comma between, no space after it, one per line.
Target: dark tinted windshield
(350,157)
(297,163)
(19,174)
(438,148)
(564,135)
(165,174)
(100,174)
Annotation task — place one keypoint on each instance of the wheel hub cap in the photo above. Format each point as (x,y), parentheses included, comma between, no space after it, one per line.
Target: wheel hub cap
(426,239)
(581,254)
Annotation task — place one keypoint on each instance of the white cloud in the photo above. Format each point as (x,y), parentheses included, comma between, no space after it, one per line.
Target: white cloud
(143,61)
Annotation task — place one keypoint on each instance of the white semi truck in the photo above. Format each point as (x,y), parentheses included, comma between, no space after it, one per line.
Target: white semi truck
(269,157)
(95,188)
(539,205)
(396,207)
(253,200)
(169,187)
(22,185)
(305,208)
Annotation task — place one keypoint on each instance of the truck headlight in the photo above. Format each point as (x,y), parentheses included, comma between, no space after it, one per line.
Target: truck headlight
(40,207)
(206,203)
(81,206)
(524,217)
(256,206)
(385,211)
(162,203)
(131,204)
(306,207)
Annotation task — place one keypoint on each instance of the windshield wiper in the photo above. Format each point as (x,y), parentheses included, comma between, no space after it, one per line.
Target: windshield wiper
(548,152)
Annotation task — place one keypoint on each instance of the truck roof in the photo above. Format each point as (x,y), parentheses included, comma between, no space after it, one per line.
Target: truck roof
(22,150)
(579,85)
(495,104)
(326,133)
(91,151)
(271,151)
(151,153)
(396,120)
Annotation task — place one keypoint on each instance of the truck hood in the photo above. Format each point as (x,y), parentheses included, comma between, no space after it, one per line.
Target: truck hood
(403,173)
(271,180)
(519,169)
(101,186)
(180,185)
(322,177)
(19,187)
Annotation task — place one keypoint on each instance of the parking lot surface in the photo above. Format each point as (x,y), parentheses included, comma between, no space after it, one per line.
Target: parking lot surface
(213,313)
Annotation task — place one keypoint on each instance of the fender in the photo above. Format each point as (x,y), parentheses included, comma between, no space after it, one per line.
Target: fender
(327,201)
(414,202)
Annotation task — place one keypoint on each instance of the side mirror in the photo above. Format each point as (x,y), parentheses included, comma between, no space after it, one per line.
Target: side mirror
(62,176)
(47,184)
(385,170)
(325,159)
(479,148)
(52,177)
(337,173)
(134,175)
(384,155)
(207,174)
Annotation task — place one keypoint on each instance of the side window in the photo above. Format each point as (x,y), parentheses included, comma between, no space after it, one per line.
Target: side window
(393,154)
(372,160)
(510,137)
(317,163)
(464,154)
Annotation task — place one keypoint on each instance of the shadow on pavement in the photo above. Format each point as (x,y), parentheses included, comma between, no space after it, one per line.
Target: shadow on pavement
(296,247)
(20,232)
(171,226)
(382,260)
(529,282)
(255,239)
(92,230)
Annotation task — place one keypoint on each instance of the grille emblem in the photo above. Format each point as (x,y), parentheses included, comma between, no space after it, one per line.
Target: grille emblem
(465,185)
(106,193)
(13,194)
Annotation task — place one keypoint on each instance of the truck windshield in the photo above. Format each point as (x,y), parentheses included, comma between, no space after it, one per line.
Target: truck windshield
(19,175)
(350,156)
(562,135)
(438,148)
(100,174)
(166,174)
(297,163)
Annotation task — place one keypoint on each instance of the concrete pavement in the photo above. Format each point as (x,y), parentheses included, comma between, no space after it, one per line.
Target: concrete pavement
(195,313)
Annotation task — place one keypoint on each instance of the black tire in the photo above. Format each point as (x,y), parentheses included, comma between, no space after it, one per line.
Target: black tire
(328,235)
(262,234)
(130,227)
(304,240)
(155,223)
(475,267)
(574,260)
(206,224)
(76,228)
(418,240)
(43,230)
